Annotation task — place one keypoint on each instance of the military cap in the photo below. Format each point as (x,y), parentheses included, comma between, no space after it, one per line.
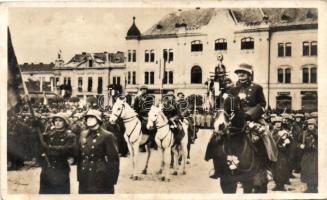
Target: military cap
(314,114)
(243,67)
(312,121)
(95,113)
(62,116)
(299,115)
(143,87)
(180,93)
(277,119)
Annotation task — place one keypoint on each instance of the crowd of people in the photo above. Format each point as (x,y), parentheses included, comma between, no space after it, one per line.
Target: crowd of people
(56,137)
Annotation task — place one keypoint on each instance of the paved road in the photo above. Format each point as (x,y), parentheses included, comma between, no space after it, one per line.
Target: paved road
(195,181)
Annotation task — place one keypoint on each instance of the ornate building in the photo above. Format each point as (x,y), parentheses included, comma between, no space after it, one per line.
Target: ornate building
(179,52)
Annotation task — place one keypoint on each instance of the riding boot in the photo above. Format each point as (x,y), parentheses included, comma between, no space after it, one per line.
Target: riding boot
(217,170)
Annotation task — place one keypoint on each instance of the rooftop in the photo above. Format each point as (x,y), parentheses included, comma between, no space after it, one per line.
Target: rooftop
(30,67)
(196,18)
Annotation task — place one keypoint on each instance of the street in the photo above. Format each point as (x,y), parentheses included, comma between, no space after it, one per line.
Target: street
(26,181)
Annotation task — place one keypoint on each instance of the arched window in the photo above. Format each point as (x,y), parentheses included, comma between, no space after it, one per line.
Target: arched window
(196,46)
(220,44)
(313,75)
(280,75)
(247,43)
(196,75)
(287,75)
(284,74)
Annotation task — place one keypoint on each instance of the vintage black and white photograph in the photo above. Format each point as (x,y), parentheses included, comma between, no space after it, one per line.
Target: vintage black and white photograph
(162,100)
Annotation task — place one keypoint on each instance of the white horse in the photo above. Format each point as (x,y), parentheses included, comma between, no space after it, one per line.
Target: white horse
(164,139)
(133,133)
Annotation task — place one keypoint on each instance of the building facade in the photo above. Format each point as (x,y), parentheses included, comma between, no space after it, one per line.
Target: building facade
(87,74)
(180,52)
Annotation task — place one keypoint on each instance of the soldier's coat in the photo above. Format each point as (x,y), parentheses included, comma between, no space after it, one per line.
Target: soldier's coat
(98,163)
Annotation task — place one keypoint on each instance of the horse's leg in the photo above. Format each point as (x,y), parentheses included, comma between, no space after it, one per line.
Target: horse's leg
(148,151)
(136,152)
(172,159)
(188,152)
(166,156)
(227,185)
(184,158)
(161,161)
(176,156)
(131,150)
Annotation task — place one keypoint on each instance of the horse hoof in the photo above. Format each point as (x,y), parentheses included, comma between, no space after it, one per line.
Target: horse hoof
(136,178)
(131,177)
(184,173)
(188,162)
(159,172)
(163,178)
(171,166)
(175,173)
(144,171)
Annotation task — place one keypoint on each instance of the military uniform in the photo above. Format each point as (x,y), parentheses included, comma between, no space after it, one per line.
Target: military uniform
(98,163)
(59,145)
(309,163)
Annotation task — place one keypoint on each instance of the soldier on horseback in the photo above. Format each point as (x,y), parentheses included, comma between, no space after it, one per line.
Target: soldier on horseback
(142,105)
(171,111)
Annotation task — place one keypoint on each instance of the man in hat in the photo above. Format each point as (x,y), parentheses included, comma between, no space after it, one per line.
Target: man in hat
(142,105)
(98,160)
(58,145)
(309,163)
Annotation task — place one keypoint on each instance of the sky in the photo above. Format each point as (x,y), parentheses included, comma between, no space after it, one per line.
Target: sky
(39,33)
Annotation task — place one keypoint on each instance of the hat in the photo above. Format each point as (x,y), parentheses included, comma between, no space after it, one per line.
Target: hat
(312,121)
(286,116)
(277,119)
(95,113)
(180,93)
(62,116)
(314,114)
(299,115)
(244,68)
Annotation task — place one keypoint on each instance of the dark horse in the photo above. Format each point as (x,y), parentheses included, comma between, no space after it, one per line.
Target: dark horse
(237,157)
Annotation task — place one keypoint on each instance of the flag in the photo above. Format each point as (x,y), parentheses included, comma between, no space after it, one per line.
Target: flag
(15,84)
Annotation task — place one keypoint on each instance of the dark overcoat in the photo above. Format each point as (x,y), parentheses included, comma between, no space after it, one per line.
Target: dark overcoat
(98,163)
(59,145)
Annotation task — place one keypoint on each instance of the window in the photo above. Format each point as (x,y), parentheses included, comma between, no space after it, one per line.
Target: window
(134,78)
(196,46)
(287,75)
(90,63)
(151,77)
(313,75)
(314,49)
(114,80)
(89,86)
(146,56)
(152,56)
(146,77)
(280,49)
(284,75)
(134,55)
(80,84)
(196,75)
(129,56)
(57,81)
(247,43)
(288,49)
(100,85)
(165,55)
(284,102)
(171,55)
(306,49)
(69,82)
(220,44)
(305,75)
(280,75)
(129,78)
(118,80)
(168,77)
(309,74)
(309,101)
(171,77)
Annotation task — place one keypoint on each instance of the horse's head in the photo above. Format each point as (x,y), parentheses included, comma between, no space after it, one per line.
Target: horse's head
(118,111)
(152,117)
(229,114)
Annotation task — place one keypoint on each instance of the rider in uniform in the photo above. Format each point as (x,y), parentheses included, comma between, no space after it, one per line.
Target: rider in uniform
(142,105)
(253,102)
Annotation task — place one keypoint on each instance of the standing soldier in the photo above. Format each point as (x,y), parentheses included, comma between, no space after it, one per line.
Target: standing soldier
(309,163)
(98,160)
(280,168)
(58,144)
